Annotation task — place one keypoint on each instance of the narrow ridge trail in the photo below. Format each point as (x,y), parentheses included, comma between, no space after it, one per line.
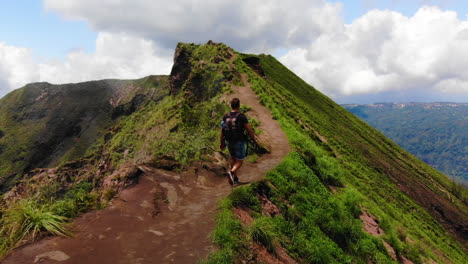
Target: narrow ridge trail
(141,227)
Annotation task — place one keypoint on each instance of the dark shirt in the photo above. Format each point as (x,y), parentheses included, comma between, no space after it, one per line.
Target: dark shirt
(241,120)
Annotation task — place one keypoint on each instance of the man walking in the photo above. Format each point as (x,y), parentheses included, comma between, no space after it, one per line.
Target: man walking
(233,129)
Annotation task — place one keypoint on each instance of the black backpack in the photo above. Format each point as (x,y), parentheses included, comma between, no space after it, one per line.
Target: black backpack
(231,128)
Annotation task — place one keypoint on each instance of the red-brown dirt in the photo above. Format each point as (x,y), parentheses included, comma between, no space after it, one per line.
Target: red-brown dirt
(166,218)
(371,226)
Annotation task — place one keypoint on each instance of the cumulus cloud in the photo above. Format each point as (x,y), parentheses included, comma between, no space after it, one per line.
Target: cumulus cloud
(249,25)
(384,51)
(16,67)
(116,56)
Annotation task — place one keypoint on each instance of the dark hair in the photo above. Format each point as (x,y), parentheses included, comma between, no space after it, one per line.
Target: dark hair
(235,103)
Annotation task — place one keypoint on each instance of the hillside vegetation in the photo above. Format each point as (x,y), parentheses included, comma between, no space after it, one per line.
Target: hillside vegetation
(44,125)
(309,209)
(340,168)
(433,132)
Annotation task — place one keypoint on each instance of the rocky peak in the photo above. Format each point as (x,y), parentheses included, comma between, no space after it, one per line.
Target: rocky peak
(201,71)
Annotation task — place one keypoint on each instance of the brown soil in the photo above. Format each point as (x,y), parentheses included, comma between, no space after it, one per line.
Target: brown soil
(371,226)
(263,256)
(166,218)
(244,216)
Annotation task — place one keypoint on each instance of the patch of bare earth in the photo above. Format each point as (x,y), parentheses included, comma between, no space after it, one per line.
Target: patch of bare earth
(258,252)
(371,226)
(262,255)
(165,218)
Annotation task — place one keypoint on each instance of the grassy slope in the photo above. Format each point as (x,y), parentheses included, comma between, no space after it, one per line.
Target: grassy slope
(319,227)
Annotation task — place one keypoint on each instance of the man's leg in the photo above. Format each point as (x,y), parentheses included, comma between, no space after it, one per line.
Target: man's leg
(236,166)
(240,155)
(233,163)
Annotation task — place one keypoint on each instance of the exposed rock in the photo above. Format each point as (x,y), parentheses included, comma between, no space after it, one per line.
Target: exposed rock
(127,174)
(52,255)
(172,196)
(215,168)
(405,260)
(128,108)
(254,63)
(243,215)
(262,255)
(166,163)
(371,224)
(268,208)
(34,180)
(180,70)
(158,233)
(390,250)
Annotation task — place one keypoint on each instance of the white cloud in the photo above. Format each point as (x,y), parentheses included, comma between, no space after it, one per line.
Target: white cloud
(381,52)
(253,25)
(16,67)
(385,51)
(116,56)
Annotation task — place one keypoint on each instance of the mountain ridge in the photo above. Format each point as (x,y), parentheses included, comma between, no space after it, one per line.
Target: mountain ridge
(338,168)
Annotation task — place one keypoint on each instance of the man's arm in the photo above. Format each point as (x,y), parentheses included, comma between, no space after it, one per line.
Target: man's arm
(222,144)
(251,132)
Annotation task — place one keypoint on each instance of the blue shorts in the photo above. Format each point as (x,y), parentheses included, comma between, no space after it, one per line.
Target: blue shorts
(237,149)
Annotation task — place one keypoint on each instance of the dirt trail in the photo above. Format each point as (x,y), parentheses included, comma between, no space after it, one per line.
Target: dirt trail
(166,218)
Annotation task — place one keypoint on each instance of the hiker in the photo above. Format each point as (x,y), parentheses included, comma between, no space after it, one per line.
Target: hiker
(233,129)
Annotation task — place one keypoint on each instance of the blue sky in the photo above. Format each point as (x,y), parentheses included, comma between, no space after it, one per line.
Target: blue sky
(386,51)
(356,8)
(26,23)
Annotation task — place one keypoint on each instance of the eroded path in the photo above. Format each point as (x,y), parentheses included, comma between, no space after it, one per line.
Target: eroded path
(166,218)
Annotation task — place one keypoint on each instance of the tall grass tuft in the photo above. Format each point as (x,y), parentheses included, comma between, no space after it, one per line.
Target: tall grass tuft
(262,232)
(26,220)
(244,197)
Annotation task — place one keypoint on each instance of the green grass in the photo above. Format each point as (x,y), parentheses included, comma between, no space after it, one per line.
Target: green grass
(26,220)
(320,226)
(228,233)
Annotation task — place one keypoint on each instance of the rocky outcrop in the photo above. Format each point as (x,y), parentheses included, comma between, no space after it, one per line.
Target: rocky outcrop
(254,63)
(181,68)
(201,71)
(126,175)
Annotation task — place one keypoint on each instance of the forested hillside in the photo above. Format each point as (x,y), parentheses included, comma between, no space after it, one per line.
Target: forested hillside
(434,132)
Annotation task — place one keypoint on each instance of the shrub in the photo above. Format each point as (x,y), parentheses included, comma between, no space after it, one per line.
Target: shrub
(26,220)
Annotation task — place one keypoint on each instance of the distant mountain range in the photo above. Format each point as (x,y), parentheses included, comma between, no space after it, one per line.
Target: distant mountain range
(437,133)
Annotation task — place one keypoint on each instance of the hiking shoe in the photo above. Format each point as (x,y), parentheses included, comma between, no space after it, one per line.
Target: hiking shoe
(231,177)
(236,180)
